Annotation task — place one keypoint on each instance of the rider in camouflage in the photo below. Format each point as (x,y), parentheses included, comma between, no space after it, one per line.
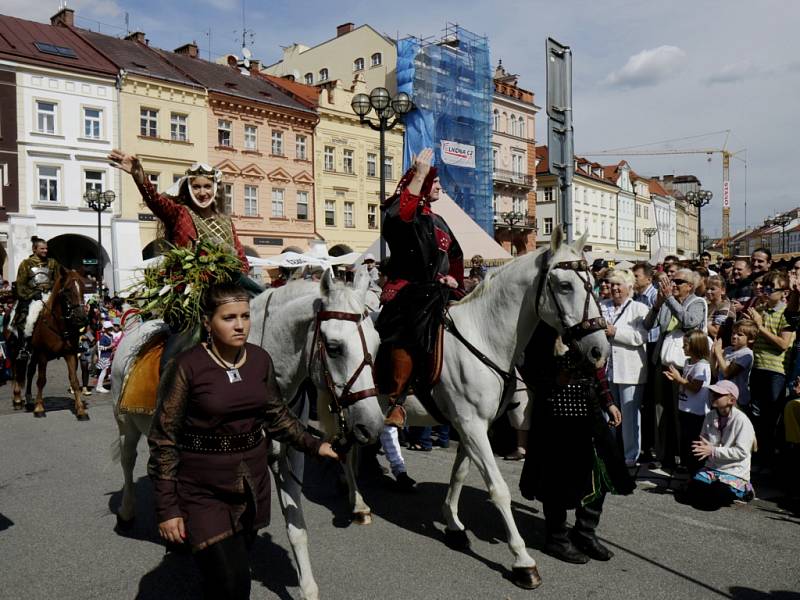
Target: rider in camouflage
(35,277)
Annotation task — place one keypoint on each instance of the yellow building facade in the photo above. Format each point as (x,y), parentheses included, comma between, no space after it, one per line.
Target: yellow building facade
(347,175)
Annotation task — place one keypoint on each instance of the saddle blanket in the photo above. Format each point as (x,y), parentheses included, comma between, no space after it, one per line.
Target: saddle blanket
(34,310)
(140,386)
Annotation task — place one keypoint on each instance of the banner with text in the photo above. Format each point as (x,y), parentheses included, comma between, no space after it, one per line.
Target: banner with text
(459,155)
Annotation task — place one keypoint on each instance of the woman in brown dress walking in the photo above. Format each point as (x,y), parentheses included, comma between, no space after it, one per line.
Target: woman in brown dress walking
(218,409)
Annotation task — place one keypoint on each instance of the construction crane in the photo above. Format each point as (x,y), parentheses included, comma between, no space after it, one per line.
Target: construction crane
(727,155)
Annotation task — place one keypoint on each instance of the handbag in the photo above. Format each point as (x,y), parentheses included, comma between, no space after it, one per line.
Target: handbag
(672,347)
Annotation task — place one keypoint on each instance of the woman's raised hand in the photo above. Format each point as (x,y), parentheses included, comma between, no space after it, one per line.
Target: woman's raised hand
(128,163)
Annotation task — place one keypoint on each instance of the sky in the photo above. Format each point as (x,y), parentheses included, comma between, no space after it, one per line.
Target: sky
(643,72)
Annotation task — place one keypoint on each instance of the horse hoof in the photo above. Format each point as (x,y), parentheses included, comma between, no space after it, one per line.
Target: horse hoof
(456,539)
(526,577)
(18,405)
(125,524)
(362,518)
(39,414)
(83,417)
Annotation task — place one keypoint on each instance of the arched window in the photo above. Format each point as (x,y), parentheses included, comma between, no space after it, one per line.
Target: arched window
(522,127)
(309,78)
(496,121)
(323,74)
(505,121)
(358,64)
(513,129)
(375,59)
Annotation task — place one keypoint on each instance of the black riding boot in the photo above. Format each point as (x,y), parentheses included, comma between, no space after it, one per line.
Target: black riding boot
(557,542)
(583,534)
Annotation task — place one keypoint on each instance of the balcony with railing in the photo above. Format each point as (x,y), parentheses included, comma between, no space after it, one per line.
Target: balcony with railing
(512,178)
(514,220)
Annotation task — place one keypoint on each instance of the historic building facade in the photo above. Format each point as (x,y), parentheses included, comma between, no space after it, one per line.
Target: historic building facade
(513,163)
(620,175)
(663,242)
(9,181)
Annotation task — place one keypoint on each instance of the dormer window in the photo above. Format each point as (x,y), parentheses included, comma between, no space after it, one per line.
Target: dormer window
(358,64)
(323,74)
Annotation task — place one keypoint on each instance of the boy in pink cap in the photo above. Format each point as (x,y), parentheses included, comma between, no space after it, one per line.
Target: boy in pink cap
(726,443)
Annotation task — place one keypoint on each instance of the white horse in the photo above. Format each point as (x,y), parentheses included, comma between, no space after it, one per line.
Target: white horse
(317,330)
(498,320)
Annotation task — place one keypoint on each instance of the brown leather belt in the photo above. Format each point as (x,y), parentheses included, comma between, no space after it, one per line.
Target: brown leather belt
(223,444)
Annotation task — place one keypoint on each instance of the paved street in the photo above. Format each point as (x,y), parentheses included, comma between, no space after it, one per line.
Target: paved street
(58,490)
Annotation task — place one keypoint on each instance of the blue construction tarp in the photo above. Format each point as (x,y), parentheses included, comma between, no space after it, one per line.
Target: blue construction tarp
(450,82)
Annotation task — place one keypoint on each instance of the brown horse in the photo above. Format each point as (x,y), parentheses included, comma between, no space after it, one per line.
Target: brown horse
(56,335)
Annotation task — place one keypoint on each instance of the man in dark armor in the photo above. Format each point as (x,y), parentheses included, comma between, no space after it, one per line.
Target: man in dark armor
(425,270)
(35,277)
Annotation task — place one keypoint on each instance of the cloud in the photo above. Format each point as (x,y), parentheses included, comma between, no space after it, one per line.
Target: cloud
(648,68)
(734,72)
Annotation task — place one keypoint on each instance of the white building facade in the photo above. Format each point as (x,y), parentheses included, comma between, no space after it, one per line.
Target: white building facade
(626,207)
(664,241)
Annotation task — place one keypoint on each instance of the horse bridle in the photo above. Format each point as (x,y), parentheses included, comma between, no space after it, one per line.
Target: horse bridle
(586,325)
(347,398)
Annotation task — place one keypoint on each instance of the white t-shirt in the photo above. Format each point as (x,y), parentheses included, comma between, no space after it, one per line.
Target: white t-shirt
(744,358)
(697,402)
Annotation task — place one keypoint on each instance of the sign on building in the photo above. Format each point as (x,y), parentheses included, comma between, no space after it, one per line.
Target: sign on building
(458,155)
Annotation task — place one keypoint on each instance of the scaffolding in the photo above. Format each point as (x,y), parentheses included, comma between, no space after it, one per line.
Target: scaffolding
(450,82)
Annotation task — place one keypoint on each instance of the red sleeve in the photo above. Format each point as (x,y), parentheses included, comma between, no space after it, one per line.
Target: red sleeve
(162,207)
(457,270)
(240,251)
(408,205)
(603,391)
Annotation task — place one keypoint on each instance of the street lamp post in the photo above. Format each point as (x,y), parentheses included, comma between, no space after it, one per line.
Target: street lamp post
(511,218)
(389,111)
(782,221)
(649,232)
(699,199)
(99,201)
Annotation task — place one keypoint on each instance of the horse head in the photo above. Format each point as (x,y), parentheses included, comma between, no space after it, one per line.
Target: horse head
(68,299)
(567,301)
(345,344)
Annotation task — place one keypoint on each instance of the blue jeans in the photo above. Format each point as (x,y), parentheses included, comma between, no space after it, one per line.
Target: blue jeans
(767,396)
(628,398)
(422,435)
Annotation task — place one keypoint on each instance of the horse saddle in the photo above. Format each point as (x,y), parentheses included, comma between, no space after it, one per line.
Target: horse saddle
(140,386)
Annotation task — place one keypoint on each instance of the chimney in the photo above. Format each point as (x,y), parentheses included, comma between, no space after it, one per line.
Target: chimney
(65,17)
(255,65)
(189,50)
(344,29)
(136,36)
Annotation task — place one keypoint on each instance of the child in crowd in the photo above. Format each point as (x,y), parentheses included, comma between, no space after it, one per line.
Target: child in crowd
(692,395)
(735,362)
(726,444)
(105,349)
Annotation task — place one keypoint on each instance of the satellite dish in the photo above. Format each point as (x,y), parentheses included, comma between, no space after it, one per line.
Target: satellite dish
(246,52)
(244,71)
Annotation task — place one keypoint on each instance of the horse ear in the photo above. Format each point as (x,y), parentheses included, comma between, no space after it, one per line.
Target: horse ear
(556,239)
(580,243)
(326,283)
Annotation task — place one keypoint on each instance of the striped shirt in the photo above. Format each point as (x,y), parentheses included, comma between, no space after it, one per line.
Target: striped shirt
(766,355)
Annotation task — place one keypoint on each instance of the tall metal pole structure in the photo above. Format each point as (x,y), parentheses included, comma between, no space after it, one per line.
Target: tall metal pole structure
(726,202)
(560,140)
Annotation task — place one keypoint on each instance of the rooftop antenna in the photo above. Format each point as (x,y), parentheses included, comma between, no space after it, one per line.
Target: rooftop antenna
(127,22)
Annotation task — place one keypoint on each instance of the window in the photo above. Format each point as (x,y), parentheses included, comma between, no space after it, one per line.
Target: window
(548,194)
(348,162)
(277,143)
(227,194)
(496,120)
(516,164)
(372,165)
(277,202)
(388,167)
(250,137)
(91,122)
(348,214)
(521,127)
(518,205)
(300,147)
(309,78)
(548,225)
(46,117)
(224,133)
(302,205)
(323,74)
(177,127)
(375,59)
(250,201)
(329,166)
(494,159)
(148,122)
(506,122)
(93,180)
(495,198)
(372,216)
(330,213)
(48,183)
(513,130)
(358,64)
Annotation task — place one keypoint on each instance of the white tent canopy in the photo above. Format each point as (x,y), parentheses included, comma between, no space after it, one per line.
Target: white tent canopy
(469,234)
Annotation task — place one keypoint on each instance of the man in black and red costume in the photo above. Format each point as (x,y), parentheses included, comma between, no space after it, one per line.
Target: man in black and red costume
(425,271)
